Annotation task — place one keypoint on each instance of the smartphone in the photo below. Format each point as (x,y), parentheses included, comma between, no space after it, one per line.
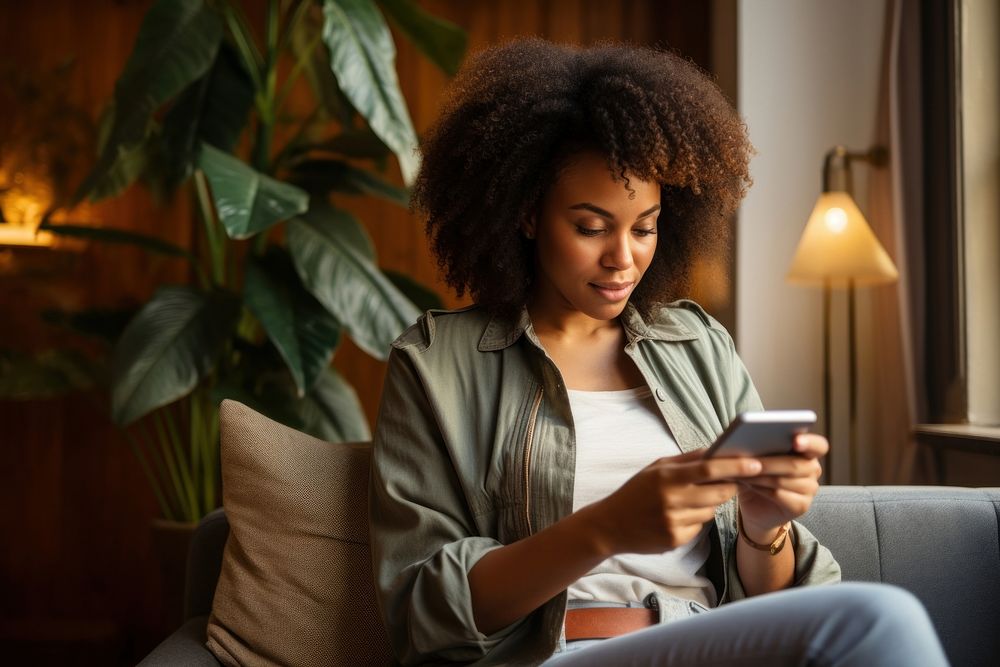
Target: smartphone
(767,433)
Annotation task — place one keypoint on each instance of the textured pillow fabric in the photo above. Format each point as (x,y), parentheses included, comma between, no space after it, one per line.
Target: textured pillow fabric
(296,585)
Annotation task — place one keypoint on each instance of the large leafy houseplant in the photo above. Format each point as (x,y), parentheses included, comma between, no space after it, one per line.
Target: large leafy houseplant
(281,272)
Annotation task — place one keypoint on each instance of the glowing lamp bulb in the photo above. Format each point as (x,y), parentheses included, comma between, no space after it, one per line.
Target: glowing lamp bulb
(835,219)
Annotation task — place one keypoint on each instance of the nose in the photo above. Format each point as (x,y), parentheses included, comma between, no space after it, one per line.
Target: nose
(618,252)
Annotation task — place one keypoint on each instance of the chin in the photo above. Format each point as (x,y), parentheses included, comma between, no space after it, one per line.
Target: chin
(605,311)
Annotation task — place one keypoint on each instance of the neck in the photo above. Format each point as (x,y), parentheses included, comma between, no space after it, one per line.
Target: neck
(567,323)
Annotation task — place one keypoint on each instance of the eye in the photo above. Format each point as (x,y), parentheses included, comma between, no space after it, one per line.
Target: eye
(587,231)
(644,232)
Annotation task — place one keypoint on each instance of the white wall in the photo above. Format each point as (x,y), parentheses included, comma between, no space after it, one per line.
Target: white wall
(808,80)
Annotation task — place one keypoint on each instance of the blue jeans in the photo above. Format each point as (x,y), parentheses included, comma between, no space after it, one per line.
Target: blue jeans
(844,625)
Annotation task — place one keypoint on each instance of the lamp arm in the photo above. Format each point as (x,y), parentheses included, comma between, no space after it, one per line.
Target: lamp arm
(837,162)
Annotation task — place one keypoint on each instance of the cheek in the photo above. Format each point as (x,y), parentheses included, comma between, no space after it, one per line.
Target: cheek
(570,252)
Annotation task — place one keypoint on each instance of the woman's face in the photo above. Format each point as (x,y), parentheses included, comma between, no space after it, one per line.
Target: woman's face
(593,243)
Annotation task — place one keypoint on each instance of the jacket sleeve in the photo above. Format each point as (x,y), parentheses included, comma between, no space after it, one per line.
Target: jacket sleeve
(814,564)
(422,534)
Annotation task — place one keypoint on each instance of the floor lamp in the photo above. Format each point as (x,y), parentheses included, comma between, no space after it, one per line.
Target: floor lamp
(839,250)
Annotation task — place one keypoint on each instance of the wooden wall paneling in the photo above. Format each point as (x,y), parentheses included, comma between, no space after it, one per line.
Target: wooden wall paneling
(603,20)
(516,19)
(79,579)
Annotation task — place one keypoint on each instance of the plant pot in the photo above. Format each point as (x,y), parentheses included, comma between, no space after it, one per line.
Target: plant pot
(171,541)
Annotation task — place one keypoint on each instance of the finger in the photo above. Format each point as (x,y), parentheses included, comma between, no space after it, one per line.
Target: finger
(682,518)
(801,485)
(810,445)
(719,469)
(790,466)
(694,455)
(712,494)
(794,504)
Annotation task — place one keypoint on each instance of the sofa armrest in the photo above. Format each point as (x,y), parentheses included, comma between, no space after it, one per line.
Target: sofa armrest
(184,648)
(940,543)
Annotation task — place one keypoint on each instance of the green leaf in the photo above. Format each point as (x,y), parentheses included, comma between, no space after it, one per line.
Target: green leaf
(330,254)
(422,297)
(304,333)
(246,200)
(363,59)
(331,411)
(122,236)
(441,41)
(172,343)
(213,109)
(176,45)
(130,163)
(362,145)
(315,61)
(323,176)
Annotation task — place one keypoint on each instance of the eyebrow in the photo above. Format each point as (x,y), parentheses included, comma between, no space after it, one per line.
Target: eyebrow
(587,206)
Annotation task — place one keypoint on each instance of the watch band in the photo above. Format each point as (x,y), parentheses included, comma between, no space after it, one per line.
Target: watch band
(774,547)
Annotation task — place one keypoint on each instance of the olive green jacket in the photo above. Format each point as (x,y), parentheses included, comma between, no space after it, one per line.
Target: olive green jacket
(474,449)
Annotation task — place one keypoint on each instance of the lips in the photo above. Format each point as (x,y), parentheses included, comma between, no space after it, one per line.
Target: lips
(613,291)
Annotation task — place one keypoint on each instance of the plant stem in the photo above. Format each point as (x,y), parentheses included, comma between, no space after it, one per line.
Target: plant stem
(161,500)
(163,442)
(195,435)
(265,120)
(266,107)
(291,148)
(187,467)
(171,447)
(211,483)
(213,233)
(148,440)
(239,28)
(297,14)
(293,75)
(300,64)
(207,425)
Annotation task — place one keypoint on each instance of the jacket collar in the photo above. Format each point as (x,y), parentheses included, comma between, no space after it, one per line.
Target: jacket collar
(502,332)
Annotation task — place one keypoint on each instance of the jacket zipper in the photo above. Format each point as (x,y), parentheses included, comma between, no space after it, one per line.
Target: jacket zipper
(529,441)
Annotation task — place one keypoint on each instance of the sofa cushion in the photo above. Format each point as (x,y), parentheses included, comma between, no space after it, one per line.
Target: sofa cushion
(296,584)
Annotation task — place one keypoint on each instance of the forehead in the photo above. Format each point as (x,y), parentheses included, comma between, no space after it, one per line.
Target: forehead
(586,176)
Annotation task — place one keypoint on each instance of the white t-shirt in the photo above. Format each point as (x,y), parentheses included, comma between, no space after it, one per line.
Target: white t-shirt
(617,434)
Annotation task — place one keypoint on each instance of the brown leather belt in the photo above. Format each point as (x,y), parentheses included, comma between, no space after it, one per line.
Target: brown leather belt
(605,622)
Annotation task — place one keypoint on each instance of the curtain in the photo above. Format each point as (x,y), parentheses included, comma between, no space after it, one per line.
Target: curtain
(896,216)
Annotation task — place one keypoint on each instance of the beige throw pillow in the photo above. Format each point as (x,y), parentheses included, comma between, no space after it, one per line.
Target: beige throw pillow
(296,582)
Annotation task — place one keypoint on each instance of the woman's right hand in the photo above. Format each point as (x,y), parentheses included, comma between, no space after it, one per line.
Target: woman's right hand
(665,504)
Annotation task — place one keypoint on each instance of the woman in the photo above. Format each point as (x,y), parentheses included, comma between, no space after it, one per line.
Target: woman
(537,483)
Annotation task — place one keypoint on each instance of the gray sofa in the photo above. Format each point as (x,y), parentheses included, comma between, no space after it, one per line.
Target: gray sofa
(941,543)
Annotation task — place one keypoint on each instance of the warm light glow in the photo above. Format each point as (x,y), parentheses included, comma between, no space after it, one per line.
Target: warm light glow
(12,235)
(838,245)
(836,219)
(23,201)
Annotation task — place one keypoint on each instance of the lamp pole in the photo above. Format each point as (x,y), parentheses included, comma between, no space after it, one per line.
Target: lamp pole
(827,376)
(839,248)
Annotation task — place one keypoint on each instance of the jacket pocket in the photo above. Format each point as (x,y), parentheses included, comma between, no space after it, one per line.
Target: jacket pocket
(519,442)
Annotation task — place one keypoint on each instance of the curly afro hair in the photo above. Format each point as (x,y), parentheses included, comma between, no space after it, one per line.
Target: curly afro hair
(517,113)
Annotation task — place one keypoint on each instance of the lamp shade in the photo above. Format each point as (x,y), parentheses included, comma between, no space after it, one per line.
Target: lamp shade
(838,244)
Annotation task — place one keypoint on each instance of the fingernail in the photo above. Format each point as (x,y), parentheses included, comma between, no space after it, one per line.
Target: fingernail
(800,442)
(754,466)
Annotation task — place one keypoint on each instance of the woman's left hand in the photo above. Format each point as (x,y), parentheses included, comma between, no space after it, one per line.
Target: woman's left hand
(784,489)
